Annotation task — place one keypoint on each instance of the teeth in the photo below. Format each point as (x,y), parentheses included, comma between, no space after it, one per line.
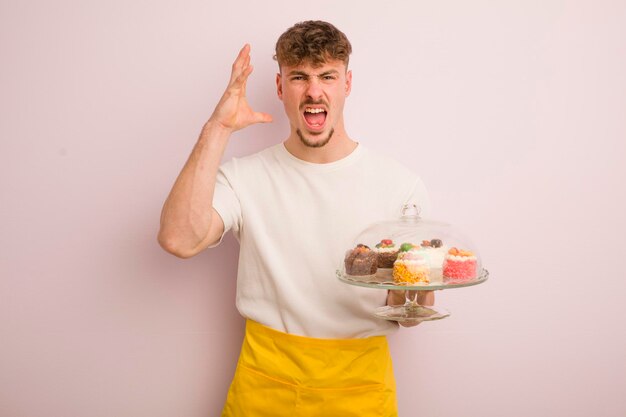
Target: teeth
(309,110)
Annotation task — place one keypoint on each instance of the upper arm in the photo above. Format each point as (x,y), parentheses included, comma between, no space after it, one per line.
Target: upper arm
(216,230)
(226,210)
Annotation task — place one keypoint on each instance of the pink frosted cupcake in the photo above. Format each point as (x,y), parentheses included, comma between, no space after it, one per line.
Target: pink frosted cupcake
(459,266)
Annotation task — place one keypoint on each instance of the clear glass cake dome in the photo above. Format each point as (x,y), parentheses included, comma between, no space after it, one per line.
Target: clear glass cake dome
(411,253)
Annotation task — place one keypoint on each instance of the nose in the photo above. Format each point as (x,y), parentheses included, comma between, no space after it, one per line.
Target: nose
(314,89)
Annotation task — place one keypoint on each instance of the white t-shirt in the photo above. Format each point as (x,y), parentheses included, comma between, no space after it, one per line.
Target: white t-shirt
(294,221)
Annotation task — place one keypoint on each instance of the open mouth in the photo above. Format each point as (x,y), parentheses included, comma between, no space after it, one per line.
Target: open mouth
(315,117)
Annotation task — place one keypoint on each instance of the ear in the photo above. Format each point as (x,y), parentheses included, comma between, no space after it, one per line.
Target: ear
(279,86)
(348,82)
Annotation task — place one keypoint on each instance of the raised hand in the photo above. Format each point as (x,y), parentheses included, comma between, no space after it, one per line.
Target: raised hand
(233,111)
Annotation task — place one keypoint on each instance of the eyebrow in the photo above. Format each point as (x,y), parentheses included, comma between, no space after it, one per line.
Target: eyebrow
(297,72)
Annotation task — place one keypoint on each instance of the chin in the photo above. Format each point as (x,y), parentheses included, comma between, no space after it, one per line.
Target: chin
(317,141)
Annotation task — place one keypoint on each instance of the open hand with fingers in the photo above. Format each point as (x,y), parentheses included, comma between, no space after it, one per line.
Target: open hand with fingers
(233,111)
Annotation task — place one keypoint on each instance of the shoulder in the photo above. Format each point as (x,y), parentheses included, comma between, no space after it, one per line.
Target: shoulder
(250,163)
(386,165)
(395,177)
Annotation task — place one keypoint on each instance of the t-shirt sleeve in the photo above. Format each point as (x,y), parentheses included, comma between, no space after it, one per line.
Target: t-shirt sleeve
(226,203)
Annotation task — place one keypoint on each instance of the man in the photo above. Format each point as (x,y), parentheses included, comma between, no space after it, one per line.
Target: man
(312,346)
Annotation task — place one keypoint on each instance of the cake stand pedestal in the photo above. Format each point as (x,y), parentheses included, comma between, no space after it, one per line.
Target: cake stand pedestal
(411,311)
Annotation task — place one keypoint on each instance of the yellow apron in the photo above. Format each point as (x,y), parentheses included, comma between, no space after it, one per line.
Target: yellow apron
(279,374)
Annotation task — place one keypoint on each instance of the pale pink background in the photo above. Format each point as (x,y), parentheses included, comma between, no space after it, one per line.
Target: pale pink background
(512,112)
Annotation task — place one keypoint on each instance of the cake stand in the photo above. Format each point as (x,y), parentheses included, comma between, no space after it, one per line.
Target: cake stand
(410,311)
(418,241)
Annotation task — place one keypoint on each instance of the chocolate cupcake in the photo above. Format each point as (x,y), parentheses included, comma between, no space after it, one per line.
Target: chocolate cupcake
(387,253)
(361,261)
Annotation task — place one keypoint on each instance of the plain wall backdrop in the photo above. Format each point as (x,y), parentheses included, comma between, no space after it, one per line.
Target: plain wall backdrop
(512,112)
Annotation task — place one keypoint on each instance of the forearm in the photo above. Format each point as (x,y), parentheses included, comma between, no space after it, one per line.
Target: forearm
(188,221)
(186,218)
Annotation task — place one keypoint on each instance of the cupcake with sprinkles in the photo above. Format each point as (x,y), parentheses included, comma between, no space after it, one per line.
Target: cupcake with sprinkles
(411,266)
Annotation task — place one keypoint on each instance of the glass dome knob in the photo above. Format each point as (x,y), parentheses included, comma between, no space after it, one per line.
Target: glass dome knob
(411,211)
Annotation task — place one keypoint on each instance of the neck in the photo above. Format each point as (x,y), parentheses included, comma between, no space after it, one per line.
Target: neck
(338,147)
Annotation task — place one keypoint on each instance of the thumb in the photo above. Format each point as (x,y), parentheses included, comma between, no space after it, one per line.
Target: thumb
(262,117)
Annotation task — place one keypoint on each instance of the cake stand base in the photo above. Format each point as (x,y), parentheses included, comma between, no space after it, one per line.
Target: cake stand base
(411,313)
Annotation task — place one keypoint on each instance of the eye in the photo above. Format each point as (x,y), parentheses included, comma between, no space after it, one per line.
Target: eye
(297,78)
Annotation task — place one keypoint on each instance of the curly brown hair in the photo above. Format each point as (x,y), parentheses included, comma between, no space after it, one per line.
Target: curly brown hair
(314,42)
